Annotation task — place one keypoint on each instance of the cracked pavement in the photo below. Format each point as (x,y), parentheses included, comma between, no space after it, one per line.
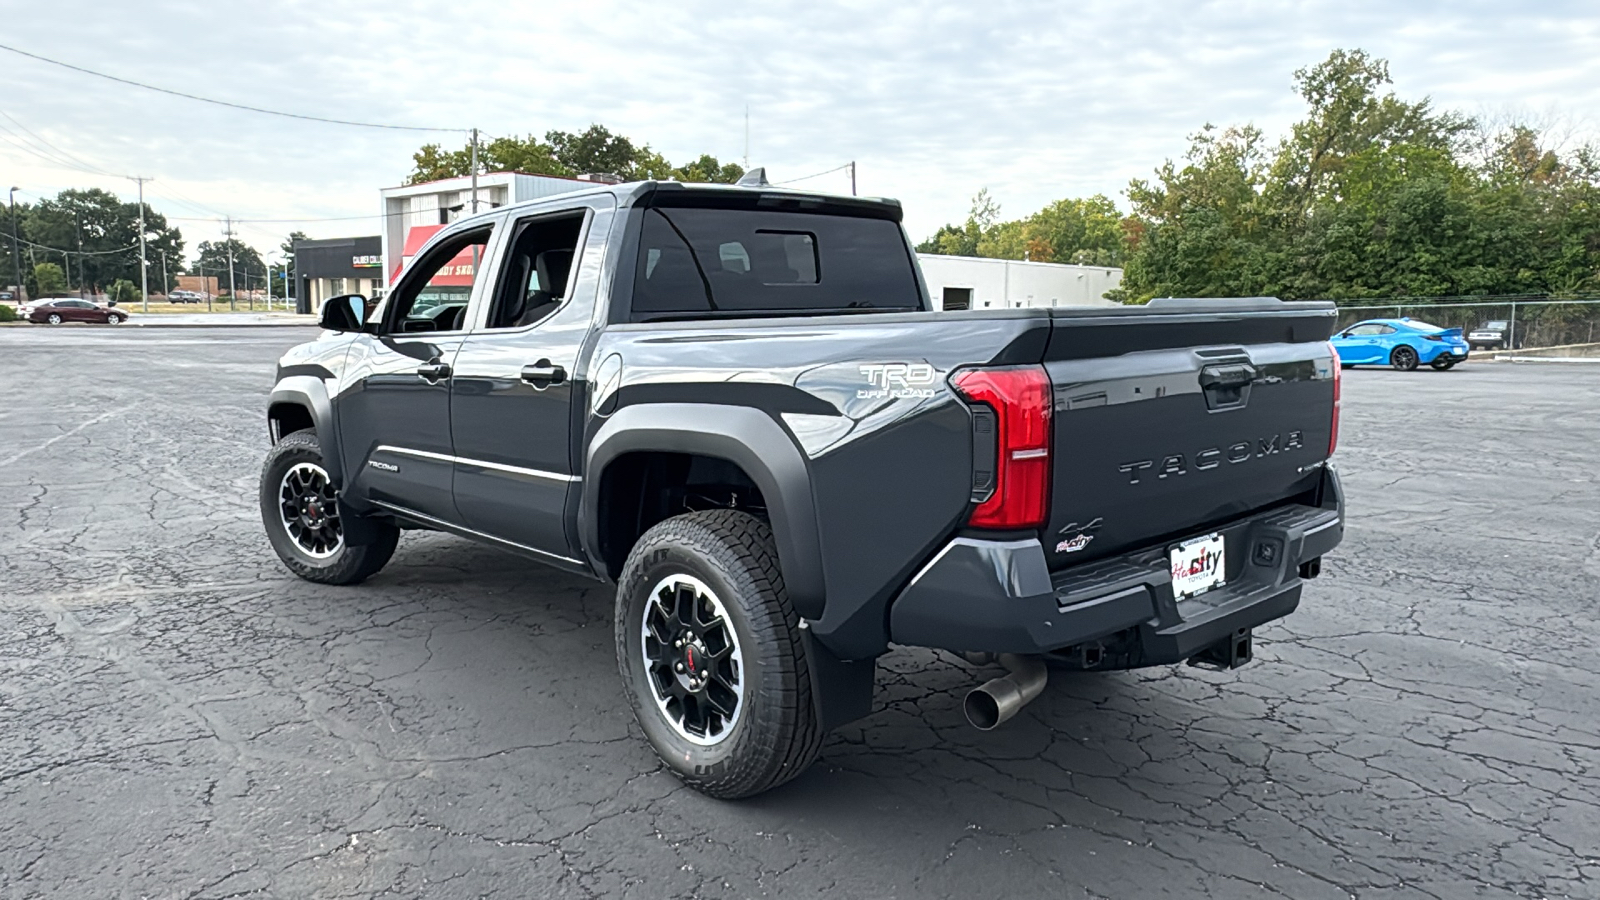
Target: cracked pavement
(181,718)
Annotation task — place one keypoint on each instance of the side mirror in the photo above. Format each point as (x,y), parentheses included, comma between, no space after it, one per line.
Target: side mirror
(347,312)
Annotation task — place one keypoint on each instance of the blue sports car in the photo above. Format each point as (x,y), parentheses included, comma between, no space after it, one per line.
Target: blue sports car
(1402,343)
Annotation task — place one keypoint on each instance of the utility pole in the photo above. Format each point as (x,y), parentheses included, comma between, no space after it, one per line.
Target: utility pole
(233,297)
(164,281)
(77,217)
(474,171)
(747,136)
(144,266)
(16,255)
(852,178)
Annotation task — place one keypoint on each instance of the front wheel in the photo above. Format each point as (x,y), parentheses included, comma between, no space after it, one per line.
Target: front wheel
(300,509)
(711,655)
(1403,358)
(113,319)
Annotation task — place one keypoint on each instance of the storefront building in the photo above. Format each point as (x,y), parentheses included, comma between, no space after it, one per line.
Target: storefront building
(329,268)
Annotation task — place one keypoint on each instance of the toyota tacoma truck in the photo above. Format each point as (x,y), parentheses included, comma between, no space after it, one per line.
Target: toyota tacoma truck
(738,405)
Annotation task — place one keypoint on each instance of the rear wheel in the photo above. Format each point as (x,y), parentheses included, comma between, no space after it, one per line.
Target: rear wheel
(53,318)
(300,509)
(1403,358)
(711,656)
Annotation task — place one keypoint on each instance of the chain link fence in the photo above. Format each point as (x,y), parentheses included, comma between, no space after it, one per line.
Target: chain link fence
(1533,323)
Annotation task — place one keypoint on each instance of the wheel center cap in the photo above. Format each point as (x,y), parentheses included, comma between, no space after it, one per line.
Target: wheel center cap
(694,659)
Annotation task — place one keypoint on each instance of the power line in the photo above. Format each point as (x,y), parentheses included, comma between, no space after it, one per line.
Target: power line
(57,150)
(76,252)
(815,174)
(21,143)
(254,109)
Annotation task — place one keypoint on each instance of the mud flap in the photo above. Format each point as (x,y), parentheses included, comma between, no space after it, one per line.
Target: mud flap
(841,689)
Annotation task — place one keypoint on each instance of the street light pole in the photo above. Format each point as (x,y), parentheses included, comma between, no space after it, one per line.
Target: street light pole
(16,255)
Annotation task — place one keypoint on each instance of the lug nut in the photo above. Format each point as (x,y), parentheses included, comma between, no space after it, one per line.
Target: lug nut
(680,667)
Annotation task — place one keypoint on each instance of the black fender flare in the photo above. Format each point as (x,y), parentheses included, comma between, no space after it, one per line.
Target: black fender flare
(746,437)
(311,393)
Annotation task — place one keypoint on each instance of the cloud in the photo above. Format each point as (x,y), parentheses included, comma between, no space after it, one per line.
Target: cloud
(1035,100)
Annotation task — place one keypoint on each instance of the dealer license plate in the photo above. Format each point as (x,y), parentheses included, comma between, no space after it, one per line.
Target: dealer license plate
(1198,566)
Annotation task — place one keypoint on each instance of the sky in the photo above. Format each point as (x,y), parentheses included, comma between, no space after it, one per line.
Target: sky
(1035,101)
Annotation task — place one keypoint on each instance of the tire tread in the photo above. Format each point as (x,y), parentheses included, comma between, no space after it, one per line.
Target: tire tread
(789,736)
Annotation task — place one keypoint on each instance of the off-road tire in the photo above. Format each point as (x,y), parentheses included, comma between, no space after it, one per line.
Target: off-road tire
(777,734)
(347,565)
(1403,358)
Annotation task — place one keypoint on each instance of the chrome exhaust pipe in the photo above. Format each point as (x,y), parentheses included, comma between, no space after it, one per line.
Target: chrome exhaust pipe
(991,704)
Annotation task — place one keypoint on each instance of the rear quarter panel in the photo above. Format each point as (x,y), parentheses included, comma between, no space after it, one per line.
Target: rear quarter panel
(887,450)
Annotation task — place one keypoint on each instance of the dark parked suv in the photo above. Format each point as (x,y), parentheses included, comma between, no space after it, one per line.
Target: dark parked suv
(738,405)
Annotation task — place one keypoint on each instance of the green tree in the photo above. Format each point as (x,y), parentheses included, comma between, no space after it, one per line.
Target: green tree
(708,170)
(49,279)
(281,284)
(595,150)
(124,292)
(109,231)
(247,264)
(964,239)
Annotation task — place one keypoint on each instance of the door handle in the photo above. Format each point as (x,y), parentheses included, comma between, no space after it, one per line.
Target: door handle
(433,372)
(543,374)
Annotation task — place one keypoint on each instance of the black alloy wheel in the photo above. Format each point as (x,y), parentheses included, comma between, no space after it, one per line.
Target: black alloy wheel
(692,654)
(306,503)
(1403,358)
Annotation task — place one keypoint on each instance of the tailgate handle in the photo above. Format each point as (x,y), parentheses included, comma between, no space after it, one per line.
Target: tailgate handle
(1236,375)
(1227,386)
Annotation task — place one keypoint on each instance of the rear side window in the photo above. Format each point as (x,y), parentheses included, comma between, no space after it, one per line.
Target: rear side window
(746,261)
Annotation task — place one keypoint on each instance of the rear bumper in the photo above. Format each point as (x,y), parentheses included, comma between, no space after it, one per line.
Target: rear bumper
(1447,351)
(998,596)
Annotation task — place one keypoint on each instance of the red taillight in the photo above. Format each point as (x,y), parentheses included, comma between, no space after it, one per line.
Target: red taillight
(1333,439)
(1021,400)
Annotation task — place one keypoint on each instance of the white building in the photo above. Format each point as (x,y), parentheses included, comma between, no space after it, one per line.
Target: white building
(966,282)
(412,213)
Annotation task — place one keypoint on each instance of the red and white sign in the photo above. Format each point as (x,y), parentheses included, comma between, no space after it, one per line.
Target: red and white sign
(459,272)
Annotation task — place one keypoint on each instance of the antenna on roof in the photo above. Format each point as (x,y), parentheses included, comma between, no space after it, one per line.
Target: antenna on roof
(756,177)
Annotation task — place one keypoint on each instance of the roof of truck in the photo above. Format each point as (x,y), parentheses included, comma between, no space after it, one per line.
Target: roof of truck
(632,192)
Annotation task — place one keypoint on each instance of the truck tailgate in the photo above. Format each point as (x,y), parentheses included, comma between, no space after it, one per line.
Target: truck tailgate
(1182,416)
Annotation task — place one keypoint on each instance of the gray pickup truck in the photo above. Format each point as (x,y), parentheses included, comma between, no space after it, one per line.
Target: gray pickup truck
(737,404)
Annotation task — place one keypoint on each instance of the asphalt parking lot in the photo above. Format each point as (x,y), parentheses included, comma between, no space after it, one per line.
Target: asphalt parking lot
(180,718)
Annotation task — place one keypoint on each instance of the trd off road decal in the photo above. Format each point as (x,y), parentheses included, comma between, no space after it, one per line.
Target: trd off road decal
(897,380)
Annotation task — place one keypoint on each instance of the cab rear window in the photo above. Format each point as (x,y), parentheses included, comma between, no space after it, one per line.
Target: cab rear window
(707,261)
